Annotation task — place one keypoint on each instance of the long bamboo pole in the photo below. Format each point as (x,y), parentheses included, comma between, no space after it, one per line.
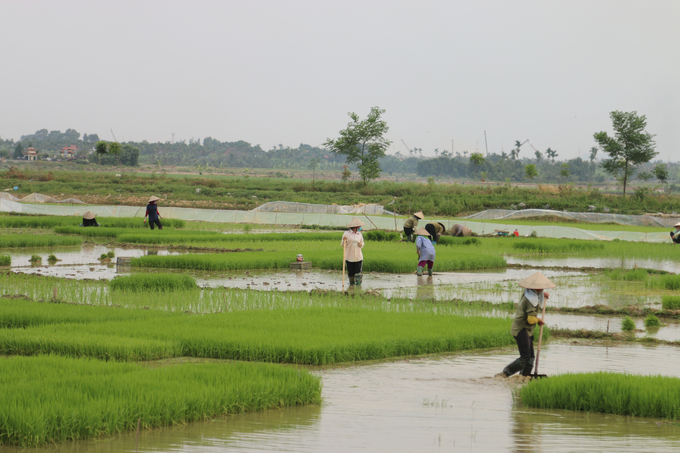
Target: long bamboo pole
(540,337)
(344,259)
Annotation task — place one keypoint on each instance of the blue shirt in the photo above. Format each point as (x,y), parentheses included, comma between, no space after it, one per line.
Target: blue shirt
(152,210)
(426,248)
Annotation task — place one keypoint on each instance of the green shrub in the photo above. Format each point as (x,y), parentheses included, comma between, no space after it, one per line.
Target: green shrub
(611,393)
(153,282)
(652,321)
(627,324)
(670,302)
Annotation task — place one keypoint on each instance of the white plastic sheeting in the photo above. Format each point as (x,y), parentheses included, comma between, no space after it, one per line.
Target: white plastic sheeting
(339,220)
(591,217)
(40,198)
(8,196)
(289,206)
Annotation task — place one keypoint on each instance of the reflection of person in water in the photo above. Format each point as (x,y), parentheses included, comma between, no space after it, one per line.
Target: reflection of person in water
(424,289)
(675,235)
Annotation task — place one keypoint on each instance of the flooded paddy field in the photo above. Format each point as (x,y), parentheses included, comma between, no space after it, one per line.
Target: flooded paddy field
(595,263)
(431,404)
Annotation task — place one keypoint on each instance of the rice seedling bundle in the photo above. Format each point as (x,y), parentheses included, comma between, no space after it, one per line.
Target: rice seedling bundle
(557,246)
(5,260)
(652,321)
(627,324)
(49,399)
(314,336)
(153,283)
(612,393)
(36,240)
(670,302)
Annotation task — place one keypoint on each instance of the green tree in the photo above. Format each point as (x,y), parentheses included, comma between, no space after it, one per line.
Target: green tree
(660,172)
(539,156)
(101,149)
(531,171)
(593,154)
(565,171)
(630,146)
(18,151)
(363,143)
(551,154)
(477,159)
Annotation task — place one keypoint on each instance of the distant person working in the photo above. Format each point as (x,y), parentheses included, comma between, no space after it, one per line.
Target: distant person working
(153,214)
(675,235)
(89,220)
(410,224)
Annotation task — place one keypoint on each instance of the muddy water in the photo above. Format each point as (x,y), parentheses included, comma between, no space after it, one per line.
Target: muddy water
(599,263)
(438,404)
(669,330)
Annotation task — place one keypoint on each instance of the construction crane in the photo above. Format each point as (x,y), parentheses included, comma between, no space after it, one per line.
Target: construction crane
(114,135)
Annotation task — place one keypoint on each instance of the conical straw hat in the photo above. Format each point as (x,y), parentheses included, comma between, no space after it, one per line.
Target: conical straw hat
(355,223)
(422,232)
(420,215)
(677,225)
(537,281)
(467,232)
(88,215)
(153,198)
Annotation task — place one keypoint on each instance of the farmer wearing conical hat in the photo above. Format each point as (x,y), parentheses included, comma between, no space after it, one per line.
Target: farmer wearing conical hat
(89,219)
(526,318)
(436,230)
(410,225)
(353,242)
(425,251)
(460,230)
(675,235)
(153,214)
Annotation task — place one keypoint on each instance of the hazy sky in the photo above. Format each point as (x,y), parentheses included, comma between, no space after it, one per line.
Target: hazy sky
(288,72)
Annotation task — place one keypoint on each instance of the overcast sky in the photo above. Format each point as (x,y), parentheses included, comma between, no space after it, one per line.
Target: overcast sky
(288,72)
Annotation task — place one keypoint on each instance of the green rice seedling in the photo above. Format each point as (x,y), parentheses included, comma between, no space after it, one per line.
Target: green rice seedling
(111,254)
(36,240)
(5,260)
(313,336)
(52,258)
(560,246)
(670,302)
(206,236)
(46,222)
(628,275)
(379,235)
(104,256)
(35,259)
(652,321)
(611,393)
(153,282)
(450,240)
(671,282)
(50,399)
(627,324)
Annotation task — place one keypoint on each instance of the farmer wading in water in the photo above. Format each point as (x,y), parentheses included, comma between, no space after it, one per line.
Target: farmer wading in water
(353,242)
(526,318)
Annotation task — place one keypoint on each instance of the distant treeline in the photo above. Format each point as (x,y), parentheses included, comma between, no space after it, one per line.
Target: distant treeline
(212,153)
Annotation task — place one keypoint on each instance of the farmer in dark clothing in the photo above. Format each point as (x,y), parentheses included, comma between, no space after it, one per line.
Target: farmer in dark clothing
(153,214)
(89,220)
(436,230)
(526,318)
(675,235)
(410,225)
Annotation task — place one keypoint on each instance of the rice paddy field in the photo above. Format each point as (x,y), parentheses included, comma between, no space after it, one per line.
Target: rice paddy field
(205,338)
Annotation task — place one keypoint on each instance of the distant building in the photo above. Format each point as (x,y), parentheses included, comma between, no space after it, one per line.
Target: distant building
(69,151)
(31,154)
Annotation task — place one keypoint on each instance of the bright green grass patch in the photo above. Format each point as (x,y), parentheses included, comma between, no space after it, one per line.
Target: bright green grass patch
(314,336)
(197,237)
(670,302)
(153,283)
(379,235)
(563,245)
(611,393)
(579,225)
(36,240)
(5,260)
(48,399)
(668,281)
